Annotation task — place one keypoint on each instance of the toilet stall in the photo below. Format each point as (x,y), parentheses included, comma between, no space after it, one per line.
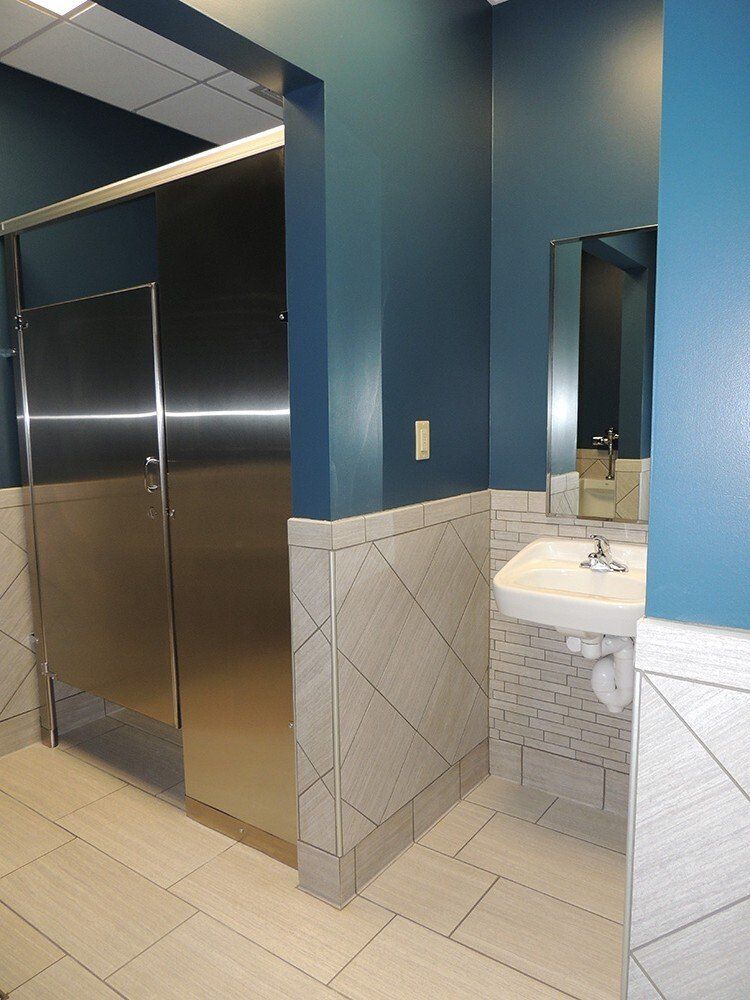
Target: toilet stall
(154,428)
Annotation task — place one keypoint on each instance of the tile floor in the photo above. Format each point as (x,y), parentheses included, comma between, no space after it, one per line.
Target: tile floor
(107,890)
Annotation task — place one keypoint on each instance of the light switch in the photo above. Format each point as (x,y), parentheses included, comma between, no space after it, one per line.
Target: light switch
(422,435)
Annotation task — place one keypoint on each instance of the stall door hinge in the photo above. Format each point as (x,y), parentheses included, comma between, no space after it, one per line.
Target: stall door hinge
(46,672)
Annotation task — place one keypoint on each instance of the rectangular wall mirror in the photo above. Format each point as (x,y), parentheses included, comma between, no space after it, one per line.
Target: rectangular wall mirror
(601,362)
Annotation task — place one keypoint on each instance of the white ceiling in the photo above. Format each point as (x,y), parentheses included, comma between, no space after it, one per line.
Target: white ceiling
(98,53)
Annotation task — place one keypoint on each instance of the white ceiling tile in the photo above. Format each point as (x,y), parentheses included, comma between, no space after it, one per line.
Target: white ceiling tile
(241,88)
(210,115)
(17,21)
(148,43)
(91,65)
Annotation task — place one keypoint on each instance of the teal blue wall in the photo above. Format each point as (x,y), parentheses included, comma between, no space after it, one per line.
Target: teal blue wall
(398,202)
(699,557)
(577,94)
(55,144)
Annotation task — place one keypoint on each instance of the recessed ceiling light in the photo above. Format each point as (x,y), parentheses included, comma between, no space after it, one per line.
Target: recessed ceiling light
(60,7)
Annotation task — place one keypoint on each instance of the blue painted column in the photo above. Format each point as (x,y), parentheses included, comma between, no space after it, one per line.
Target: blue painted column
(699,561)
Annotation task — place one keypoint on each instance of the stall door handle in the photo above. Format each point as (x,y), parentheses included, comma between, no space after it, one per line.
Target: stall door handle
(151,474)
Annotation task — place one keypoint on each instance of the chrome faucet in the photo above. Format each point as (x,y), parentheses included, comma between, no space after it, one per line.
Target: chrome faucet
(601,560)
(608,441)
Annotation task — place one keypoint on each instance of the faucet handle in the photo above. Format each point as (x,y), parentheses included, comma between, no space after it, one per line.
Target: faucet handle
(602,545)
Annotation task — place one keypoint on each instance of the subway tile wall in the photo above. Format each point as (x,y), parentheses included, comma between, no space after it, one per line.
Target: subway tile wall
(390,632)
(547,727)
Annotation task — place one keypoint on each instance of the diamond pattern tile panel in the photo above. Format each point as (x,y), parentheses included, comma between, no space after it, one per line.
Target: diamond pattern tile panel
(707,959)
(449,708)
(372,616)
(348,564)
(309,570)
(314,705)
(470,641)
(355,695)
(19,691)
(371,768)
(410,554)
(414,666)
(412,673)
(719,717)
(474,532)
(692,844)
(447,586)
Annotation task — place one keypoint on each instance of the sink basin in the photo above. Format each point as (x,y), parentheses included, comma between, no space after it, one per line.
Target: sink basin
(544,584)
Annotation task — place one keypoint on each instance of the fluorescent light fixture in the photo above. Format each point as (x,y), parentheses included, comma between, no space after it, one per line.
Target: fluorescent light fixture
(60,7)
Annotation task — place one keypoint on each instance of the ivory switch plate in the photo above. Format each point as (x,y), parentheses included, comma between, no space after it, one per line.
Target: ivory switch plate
(422,435)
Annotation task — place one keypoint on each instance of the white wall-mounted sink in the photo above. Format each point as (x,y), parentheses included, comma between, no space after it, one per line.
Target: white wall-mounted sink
(545,584)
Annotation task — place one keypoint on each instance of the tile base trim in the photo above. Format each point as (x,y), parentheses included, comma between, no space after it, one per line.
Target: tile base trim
(337,880)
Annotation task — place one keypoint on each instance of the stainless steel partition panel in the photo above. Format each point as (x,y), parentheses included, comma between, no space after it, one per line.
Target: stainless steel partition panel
(222,289)
(95,415)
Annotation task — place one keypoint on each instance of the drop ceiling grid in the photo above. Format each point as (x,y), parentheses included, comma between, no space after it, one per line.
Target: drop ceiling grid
(98,53)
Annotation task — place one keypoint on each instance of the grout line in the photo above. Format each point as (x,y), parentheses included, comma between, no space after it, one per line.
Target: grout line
(507,878)
(539,818)
(690,923)
(93,802)
(698,740)
(18,574)
(153,943)
(480,900)
(228,926)
(364,946)
(388,538)
(483,954)
(693,680)
(562,833)
(23,680)
(648,977)
(6,996)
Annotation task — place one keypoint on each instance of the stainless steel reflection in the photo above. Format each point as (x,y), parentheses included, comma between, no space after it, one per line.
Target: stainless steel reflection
(94,413)
(222,288)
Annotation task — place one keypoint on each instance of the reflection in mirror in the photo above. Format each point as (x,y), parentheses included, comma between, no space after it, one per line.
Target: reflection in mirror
(601,361)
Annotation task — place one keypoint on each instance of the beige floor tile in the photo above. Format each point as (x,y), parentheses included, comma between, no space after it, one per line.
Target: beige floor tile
(598,827)
(65,980)
(456,829)
(584,874)
(24,835)
(98,911)
(51,781)
(407,962)
(572,950)
(203,960)
(508,797)
(429,888)
(152,726)
(147,835)
(87,731)
(143,760)
(175,795)
(259,897)
(23,951)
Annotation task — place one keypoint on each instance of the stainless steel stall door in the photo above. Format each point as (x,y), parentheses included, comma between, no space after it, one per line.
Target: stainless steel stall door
(226,387)
(96,427)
